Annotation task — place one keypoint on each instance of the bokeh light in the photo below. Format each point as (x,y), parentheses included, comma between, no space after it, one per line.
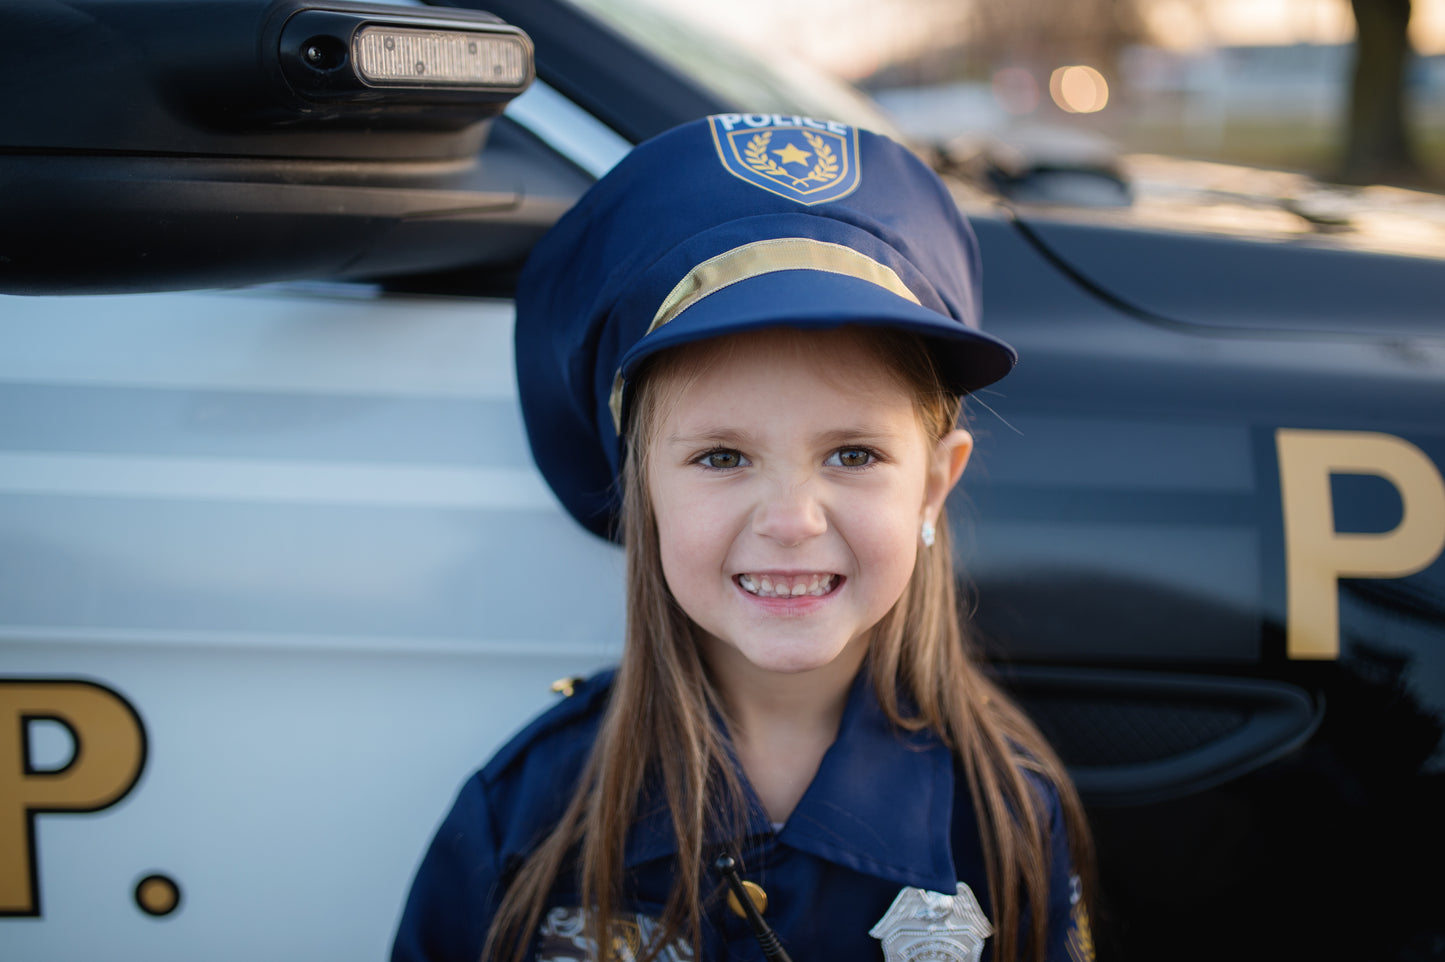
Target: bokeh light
(1079,89)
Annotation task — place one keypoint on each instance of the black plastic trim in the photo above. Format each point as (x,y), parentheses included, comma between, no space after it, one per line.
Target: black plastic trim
(1261,720)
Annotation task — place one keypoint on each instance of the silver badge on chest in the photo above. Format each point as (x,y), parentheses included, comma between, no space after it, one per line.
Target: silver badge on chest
(933,927)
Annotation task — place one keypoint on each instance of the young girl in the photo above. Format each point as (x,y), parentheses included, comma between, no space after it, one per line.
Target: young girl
(744,352)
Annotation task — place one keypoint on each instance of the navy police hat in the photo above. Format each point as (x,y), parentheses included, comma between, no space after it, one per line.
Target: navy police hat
(733,223)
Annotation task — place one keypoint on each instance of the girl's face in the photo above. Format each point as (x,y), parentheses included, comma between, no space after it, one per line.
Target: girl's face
(790,479)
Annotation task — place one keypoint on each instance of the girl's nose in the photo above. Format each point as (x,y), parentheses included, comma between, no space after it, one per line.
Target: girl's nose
(790,514)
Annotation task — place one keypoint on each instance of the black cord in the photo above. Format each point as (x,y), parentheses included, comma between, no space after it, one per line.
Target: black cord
(773,950)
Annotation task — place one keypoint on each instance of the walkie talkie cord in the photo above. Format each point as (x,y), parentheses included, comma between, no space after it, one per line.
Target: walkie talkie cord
(773,950)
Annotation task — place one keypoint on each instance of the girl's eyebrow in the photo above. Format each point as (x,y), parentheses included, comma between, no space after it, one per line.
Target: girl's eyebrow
(861,435)
(866,434)
(709,435)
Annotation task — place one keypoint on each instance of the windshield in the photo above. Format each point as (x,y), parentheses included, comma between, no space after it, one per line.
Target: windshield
(738,75)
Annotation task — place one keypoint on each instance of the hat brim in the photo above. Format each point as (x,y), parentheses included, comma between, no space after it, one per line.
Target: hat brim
(967,359)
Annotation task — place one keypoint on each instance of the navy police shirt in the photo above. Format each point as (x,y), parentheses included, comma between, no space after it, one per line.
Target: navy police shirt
(884,841)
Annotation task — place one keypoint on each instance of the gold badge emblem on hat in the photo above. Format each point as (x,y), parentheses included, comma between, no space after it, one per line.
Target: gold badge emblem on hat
(806,160)
(933,926)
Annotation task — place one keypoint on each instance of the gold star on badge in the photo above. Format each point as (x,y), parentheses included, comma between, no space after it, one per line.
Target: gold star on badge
(792,155)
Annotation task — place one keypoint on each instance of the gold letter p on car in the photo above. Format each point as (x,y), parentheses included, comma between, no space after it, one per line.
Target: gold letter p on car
(108,758)
(1317,556)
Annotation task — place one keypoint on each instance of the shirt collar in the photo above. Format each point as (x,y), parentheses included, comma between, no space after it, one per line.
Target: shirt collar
(881,803)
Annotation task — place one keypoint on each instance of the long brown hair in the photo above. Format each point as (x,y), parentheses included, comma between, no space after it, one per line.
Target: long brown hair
(660,721)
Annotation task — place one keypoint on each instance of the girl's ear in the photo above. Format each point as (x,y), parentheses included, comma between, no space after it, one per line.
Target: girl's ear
(950,457)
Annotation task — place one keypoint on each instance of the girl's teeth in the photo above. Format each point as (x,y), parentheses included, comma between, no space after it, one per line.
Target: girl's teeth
(766,586)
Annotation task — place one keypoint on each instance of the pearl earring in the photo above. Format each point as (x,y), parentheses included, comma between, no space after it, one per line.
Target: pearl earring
(928,534)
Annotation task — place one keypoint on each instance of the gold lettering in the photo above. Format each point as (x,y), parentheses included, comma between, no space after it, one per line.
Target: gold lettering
(109,755)
(1317,556)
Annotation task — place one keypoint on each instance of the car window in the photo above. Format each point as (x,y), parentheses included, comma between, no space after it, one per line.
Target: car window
(738,74)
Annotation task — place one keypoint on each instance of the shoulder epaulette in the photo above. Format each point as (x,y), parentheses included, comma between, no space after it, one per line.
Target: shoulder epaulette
(585,701)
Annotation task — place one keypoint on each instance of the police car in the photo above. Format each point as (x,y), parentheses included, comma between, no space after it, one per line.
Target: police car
(276,571)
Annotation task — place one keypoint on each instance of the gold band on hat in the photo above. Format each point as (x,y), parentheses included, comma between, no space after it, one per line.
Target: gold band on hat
(754,260)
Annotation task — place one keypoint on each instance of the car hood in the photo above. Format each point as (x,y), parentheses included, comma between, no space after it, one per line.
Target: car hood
(1234,248)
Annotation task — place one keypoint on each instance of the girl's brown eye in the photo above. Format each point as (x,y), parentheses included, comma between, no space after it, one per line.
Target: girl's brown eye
(854,457)
(722,459)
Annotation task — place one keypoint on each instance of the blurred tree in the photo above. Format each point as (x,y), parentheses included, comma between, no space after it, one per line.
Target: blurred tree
(1377,138)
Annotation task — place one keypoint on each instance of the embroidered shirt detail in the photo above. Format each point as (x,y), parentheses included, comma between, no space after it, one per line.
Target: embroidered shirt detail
(562,937)
(1080,938)
(933,926)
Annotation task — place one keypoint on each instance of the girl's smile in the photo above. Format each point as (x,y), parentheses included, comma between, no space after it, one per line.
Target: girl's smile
(788,585)
(790,476)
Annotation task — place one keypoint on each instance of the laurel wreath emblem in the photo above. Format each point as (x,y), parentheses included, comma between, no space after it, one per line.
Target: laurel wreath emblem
(824,171)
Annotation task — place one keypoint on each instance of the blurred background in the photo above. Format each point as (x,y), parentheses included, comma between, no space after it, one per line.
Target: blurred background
(1349,91)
